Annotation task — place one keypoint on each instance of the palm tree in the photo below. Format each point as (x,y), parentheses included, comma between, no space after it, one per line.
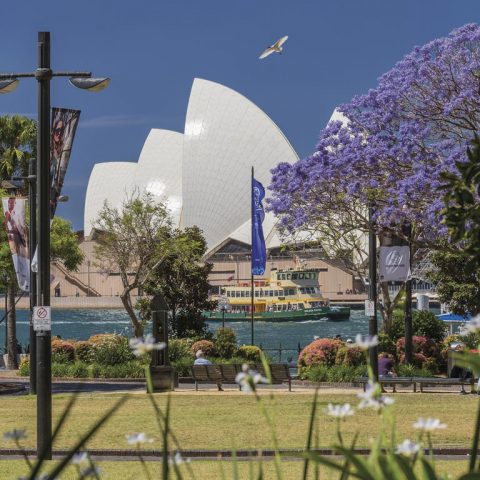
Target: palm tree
(17,145)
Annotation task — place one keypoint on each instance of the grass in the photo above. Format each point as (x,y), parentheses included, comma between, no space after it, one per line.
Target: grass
(224,421)
(292,470)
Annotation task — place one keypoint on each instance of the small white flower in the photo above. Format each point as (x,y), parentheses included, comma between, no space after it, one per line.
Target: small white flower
(372,398)
(472,326)
(364,342)
(79,458)
(15,435)
(408,448)
(339,411)
(428,424)
(178,459)
(138,439)
(142,346)
(248,379)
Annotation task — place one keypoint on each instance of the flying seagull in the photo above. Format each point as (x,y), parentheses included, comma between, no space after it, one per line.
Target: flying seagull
(276,47)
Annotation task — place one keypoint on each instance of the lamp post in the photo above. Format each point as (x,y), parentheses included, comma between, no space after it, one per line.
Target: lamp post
(372,294)
(8,82)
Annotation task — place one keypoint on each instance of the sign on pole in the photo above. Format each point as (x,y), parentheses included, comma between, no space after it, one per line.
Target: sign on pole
(42,320)
(369,308)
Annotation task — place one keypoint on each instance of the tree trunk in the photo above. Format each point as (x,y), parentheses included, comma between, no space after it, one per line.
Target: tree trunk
(12,328)
(127,303)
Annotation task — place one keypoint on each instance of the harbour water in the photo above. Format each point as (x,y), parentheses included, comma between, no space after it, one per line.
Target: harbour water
(81,324)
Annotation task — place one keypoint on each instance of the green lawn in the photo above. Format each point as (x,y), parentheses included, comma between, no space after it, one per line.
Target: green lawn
(224,421)
(11,469)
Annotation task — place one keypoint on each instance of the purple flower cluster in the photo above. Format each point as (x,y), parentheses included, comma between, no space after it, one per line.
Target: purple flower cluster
(398,138)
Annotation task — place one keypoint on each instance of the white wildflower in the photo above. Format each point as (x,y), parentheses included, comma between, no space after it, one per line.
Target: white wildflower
(142,346)
(248,379)
(371,397)
(472,326)
(178,459)
(15,435)
(79,458)
(339,411)
(365,342)
(408,448)
(138,439)
(429,424)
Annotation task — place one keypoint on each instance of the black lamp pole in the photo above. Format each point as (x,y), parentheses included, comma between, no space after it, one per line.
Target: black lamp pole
(372,293)
(408,303)
(8,82)
(32,197)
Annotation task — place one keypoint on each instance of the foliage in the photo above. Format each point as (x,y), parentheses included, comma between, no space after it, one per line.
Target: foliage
(425,346)
(335,373)
(350,356)
(132,240)
(182,279)
(207,347)
(110,349)
(409,370)
(62,351)
(462,206)
(456,275)
(180,348)
(83,351)
(225,342)
(250,353)
(182,366)
(321,351)
(24,367)
(386,344)
(64,244)
(424,323)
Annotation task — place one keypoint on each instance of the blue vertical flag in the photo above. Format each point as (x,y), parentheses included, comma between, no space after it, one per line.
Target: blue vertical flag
(259,253)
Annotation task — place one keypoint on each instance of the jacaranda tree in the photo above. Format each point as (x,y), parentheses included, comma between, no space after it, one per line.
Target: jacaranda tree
(390,151)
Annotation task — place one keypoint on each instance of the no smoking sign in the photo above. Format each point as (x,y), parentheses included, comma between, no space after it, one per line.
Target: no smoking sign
(42,320)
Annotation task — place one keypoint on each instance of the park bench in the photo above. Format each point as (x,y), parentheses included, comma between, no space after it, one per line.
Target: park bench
(226,373)
(432,381)
(391,382)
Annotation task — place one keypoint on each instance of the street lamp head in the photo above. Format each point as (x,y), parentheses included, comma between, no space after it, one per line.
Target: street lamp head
(8,85)
(91,84)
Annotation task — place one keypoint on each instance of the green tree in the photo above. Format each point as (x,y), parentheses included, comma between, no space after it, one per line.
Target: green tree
(183,281)
(64,244)
(17,145)
(133,240)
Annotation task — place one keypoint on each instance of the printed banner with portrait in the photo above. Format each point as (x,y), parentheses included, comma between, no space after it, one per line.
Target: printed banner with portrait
(64,125)
(17,233)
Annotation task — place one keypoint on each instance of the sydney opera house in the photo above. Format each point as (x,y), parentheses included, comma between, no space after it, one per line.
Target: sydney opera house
(203,175)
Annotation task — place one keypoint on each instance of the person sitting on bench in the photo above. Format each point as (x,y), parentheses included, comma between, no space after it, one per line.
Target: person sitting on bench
(386,367)
(201,360)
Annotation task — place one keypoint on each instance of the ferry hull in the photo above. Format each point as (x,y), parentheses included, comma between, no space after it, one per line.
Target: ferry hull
(334,314)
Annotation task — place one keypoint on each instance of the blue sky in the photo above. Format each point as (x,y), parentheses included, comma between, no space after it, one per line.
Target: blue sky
(152,50)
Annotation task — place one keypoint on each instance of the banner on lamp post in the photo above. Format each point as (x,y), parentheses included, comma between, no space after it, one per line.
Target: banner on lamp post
(394,264)
(17,234)
(64,125)
(259,253)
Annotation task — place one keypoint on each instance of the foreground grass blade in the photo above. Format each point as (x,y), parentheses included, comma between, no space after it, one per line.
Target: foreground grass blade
(316,458)
(476,434)
(359,462)
(66,460)
(56,431)
(310,433)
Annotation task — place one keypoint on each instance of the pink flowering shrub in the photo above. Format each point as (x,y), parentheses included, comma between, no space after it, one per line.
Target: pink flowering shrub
(321,351)
(423,345)
(351,356)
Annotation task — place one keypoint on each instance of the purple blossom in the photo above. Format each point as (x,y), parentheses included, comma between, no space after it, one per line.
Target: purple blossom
(400,136)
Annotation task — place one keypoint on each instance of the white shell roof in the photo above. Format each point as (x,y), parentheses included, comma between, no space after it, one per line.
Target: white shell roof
(225,135)
(203,174)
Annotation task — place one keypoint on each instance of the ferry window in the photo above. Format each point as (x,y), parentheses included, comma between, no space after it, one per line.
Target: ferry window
(282,276)
(284,307)
(247,293)
(300,276)
(257,294)
(289,276)
(291,291)
(242,293)
(302,290)
(228,293)
(270,293)
(294,276)
(300,305)
(307,276)
(275,293)
(237,294)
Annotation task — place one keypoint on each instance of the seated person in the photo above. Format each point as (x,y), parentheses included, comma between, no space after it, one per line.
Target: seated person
(386,366)
(201,360)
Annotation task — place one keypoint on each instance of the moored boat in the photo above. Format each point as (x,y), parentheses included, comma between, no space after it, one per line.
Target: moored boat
(289,295)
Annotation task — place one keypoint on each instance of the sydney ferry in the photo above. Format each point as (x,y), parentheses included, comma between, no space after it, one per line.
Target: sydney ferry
(289,295)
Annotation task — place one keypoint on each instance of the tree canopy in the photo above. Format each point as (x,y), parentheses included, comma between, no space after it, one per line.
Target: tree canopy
(394,143)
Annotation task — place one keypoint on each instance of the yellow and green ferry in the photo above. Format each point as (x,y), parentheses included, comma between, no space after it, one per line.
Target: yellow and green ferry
(289,295)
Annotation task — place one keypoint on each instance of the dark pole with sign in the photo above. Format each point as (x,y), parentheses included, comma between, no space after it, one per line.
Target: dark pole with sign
(372,292)
(252,289)
(408,303)
(32,196)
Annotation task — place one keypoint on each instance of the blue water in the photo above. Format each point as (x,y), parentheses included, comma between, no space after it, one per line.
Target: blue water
(81,324)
